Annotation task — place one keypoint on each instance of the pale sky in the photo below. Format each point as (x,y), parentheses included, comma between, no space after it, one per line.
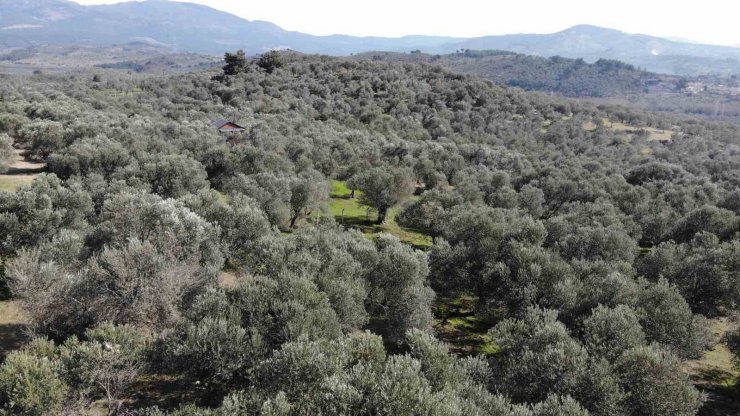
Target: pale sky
(707,21)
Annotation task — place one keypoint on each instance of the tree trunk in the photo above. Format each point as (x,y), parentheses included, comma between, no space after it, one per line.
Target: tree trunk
(293,220)
(382,213)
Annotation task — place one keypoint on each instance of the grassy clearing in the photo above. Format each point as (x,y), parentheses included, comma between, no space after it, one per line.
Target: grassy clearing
(464,332)
(350,212)
(10,183)
(21,172)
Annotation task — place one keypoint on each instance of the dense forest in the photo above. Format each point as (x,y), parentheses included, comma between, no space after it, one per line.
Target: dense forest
(165,269)
(605,81)
(568,77)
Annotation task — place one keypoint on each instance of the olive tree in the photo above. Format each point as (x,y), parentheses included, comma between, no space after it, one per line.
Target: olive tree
(399,288)
(308,193)
(610,331)
(383,188)
(656,384)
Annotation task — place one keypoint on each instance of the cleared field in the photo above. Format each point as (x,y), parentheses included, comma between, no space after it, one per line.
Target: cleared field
(653,133)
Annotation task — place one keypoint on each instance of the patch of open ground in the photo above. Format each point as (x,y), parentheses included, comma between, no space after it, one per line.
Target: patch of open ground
(661,135)
(21,172)
(350,212)
(228,279)
(716,375)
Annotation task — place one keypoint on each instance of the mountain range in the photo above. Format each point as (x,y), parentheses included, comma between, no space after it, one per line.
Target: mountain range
(188,27)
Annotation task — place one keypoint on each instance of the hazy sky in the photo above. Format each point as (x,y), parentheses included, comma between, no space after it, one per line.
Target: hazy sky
(709,21)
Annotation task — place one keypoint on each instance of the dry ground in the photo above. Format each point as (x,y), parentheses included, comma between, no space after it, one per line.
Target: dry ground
(21,172)
(653,133)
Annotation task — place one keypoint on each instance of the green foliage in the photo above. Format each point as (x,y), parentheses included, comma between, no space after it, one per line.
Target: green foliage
(6,152)
(106,364)
(236,63)
(705,271)
(30,386)
(538,356)
(44,137)
(667,318)
(382,189)
(655,383)
(241,221)
(270,61)
(553,219)
(558,406)
(610,332)
(307,193)
(167,224)
(210,349)
(398,286)
(172,176)
(97,155)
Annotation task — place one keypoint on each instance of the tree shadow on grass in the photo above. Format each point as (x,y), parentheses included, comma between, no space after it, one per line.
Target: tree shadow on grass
(12,337)
(720,403)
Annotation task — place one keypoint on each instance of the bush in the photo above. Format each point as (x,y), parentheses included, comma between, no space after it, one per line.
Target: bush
(30,386)
(609,332)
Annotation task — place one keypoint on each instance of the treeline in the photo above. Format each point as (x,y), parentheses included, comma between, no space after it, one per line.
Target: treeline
(116,254)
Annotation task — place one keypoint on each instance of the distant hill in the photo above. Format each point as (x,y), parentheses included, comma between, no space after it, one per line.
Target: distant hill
(136,57)
(592,43)
(196,28)
(180,26)
(569,77)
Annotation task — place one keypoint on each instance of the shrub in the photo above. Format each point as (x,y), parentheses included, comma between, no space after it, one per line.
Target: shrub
(30,386)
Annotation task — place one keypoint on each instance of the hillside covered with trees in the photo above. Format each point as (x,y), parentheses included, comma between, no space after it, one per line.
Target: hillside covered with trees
(604,81)
(568,77)
(570,266)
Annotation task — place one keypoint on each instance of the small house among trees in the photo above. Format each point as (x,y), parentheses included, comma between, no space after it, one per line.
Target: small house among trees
(228,127)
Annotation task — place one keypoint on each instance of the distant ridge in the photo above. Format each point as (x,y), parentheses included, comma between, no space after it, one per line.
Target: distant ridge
(196,28)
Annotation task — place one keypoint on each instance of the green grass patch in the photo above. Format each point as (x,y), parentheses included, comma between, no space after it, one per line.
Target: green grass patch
(339,189)
(716,374)
(488,346)
(350,212)
(10,183)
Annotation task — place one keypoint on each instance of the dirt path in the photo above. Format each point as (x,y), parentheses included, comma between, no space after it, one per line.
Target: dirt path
(22,165)
(21,172)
